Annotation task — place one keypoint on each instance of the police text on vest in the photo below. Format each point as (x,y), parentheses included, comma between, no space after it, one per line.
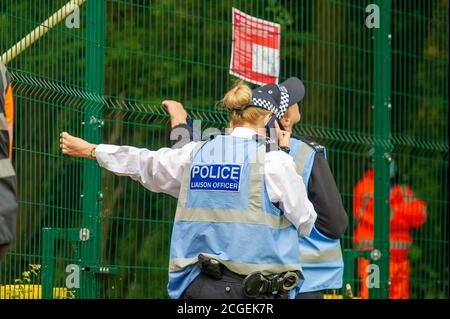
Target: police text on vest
(215,177)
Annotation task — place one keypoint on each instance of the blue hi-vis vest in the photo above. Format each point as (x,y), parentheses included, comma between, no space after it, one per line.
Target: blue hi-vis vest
(320,256)
(224,212)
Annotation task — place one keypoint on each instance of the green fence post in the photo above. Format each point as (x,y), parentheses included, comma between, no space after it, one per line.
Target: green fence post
(94,85)
(382,131)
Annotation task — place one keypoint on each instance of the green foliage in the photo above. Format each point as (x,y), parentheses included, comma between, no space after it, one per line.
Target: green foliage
(23,285)
(24,288)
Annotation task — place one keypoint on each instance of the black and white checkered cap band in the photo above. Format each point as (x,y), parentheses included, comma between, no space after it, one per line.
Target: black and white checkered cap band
(284,103)
(266,105)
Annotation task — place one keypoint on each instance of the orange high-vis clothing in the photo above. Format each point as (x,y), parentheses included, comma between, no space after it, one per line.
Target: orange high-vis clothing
(406,212)
(9,113)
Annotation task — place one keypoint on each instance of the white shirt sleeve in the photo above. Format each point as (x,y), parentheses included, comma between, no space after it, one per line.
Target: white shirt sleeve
(158,171)
(286,187)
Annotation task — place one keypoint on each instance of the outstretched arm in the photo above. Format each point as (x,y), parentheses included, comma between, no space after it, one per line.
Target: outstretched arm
(158,171)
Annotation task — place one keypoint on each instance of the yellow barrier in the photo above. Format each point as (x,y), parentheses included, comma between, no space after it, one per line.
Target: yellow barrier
(332,296)
(21,291)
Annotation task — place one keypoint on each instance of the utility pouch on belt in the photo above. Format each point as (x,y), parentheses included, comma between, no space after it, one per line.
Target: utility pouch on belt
(210,266)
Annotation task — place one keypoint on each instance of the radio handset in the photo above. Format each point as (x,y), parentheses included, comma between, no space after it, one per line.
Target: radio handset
(271,135)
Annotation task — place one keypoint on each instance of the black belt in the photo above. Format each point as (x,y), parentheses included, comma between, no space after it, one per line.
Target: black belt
(254,284)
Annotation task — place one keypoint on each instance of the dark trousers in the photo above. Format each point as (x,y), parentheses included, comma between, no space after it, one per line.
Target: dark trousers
(229,287)
(311,295)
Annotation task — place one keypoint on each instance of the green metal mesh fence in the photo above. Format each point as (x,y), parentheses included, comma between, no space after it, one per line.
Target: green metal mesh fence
(105,81)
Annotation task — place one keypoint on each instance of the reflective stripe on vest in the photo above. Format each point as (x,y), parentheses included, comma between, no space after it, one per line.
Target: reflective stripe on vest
(6,168)
(408,198)
(302,157)
(316,257)
(322,262)
(366,197)
(368,244)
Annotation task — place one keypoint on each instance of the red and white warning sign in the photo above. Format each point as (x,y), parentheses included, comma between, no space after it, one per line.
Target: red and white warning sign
(255,52)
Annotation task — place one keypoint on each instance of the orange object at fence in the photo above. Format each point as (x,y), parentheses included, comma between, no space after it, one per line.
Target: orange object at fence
(406,212)
(9,113)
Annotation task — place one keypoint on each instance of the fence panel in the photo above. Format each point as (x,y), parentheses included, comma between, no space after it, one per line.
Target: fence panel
(173,49)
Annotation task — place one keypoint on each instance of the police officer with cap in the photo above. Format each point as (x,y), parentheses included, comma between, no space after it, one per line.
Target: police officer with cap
(320,252)
(240,209)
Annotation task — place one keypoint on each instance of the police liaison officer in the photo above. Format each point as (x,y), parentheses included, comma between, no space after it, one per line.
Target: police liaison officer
(240,210)
(320,252)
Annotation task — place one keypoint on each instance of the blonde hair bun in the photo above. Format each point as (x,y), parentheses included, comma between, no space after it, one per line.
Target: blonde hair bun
(238,97)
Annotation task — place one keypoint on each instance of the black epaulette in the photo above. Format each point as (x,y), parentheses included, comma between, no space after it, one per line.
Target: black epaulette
(317,147)
(314,145)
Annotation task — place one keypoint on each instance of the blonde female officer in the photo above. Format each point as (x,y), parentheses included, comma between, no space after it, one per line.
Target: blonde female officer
(231,198)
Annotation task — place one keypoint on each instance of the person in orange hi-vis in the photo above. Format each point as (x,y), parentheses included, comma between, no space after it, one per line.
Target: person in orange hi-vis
(406,212)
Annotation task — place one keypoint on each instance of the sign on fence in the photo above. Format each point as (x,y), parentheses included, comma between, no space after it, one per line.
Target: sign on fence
(255,52)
